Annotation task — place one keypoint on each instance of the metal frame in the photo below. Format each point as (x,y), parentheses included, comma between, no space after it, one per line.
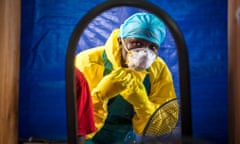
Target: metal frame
(185,99)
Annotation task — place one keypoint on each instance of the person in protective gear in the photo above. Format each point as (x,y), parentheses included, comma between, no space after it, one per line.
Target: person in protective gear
(128,80)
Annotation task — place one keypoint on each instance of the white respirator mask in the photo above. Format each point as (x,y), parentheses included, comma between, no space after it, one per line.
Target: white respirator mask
(139,59)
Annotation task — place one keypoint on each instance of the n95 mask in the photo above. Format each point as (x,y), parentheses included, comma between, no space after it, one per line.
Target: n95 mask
(140,59)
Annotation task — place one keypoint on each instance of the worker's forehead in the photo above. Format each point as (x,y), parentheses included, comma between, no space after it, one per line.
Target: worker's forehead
(132,39)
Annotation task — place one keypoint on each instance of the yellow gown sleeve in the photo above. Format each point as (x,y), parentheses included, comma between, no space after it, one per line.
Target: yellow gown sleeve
(162,90)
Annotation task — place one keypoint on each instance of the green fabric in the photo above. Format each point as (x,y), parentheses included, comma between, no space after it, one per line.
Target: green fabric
(147,84)
(107,65)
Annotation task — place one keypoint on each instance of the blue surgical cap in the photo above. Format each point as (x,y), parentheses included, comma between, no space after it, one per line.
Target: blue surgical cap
(145,26)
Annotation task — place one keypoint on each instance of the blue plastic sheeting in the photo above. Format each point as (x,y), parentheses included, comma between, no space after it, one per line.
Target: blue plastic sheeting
(46,29)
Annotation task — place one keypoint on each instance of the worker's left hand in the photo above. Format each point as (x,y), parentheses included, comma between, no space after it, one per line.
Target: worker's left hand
(136,95)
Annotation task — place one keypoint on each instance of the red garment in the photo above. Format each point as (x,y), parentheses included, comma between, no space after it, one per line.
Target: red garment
(85,116)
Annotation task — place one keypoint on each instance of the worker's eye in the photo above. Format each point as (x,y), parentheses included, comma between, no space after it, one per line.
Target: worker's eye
(153,47)
(135,44)
(138,44)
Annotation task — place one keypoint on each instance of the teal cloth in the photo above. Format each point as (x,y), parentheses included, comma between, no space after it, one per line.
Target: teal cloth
(145,26)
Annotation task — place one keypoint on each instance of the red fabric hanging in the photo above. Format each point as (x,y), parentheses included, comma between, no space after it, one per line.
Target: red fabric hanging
(85,116)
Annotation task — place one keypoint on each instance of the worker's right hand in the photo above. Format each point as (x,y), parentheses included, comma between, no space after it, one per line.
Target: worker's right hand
(112,84)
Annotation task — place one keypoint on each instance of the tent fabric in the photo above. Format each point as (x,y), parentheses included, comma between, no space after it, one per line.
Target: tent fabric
(46,29)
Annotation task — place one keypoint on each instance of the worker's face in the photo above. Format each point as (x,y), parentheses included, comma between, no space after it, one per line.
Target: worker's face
(137,54)
(134,43)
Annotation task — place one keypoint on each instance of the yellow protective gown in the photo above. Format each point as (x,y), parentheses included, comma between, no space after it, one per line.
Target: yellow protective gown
(162,89)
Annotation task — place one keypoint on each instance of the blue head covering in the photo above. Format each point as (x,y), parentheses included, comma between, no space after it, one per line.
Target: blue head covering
(144,25)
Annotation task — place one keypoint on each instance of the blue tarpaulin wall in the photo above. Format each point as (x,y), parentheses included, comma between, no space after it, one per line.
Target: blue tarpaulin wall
(46,29)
